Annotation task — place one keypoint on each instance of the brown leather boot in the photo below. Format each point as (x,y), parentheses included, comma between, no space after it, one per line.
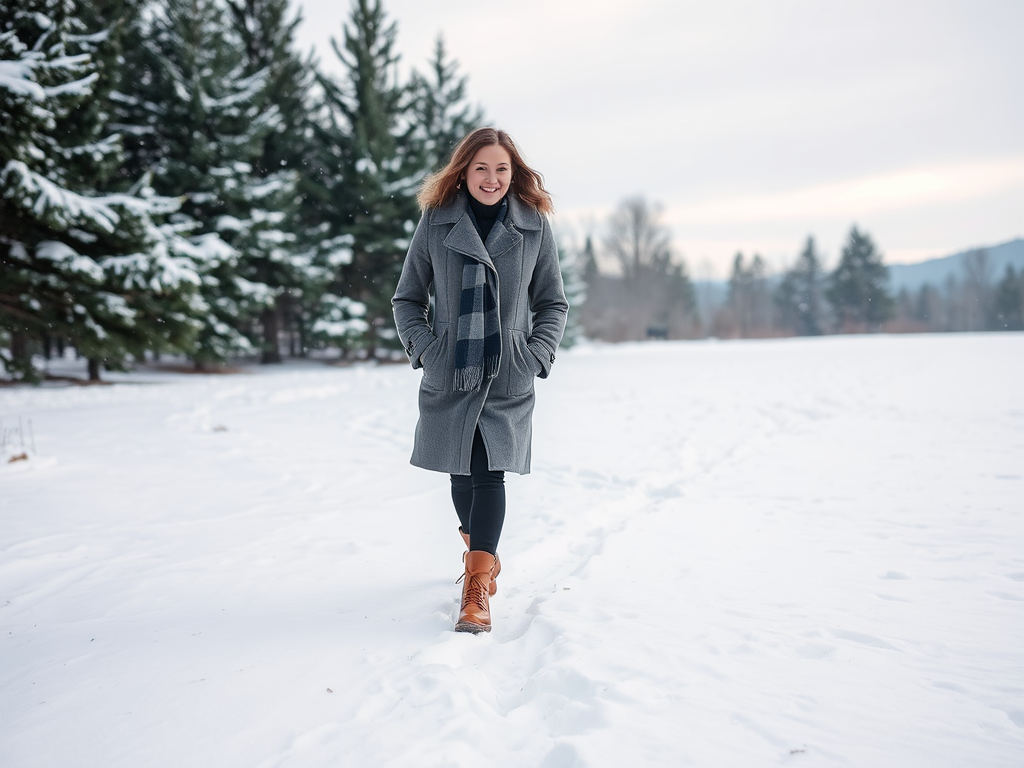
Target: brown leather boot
(475,615)
(497,563)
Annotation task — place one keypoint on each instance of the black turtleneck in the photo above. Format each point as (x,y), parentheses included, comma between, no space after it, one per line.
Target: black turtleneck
(484,216)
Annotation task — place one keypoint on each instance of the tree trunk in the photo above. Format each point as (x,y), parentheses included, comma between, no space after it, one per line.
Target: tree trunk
(271,324)
(94,369)
(19,347)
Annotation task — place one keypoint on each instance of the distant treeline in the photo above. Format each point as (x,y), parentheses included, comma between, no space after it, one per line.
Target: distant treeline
(176,178)
(649,292)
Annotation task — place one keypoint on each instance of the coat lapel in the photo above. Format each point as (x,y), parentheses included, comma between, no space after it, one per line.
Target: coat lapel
(466,240)
(503,237)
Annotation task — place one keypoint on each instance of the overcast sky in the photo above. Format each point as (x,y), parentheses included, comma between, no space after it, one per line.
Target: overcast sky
(753,124)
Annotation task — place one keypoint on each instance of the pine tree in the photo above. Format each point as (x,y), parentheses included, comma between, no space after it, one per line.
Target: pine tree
(327,317)
(575,293)
(378,160)
(798,296)
(588,262)
(1008,309)
(279,251)
(682,301)
(740,296)
(79,262)
(202,117)
(441,115)
(858,288)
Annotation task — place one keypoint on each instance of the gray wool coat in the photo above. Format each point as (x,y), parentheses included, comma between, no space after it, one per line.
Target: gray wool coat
(532,310)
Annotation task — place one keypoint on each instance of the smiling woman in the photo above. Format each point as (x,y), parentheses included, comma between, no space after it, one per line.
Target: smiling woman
(484,256)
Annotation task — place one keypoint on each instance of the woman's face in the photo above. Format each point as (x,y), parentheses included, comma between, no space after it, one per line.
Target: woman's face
(489,174)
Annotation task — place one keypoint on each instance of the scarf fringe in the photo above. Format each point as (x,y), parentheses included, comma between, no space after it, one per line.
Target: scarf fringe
(470,379)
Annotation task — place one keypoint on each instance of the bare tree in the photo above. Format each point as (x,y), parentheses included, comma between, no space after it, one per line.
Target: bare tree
(654,296)
(636,239)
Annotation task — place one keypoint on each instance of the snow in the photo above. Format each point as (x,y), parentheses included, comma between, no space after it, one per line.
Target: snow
(229,224)
(209,248)
(82,87)
(69,259)
(17,77)
(45,197)
(798,552)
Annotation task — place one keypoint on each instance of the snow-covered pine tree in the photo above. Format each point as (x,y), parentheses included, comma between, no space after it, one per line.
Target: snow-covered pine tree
(200,118)
(280,255)
(370,126)
(858,288)
(798,296)
(570,263)
(79,263)
(441,114)
(327,317)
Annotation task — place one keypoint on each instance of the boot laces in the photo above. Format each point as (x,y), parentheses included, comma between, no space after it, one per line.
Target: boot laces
(474,592)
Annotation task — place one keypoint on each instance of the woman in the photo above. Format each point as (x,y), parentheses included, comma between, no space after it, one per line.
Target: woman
(484,250)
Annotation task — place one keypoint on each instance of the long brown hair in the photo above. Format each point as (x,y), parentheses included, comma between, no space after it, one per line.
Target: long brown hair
(527,184)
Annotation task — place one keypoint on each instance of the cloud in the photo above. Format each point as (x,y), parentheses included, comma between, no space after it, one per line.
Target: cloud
(863,196)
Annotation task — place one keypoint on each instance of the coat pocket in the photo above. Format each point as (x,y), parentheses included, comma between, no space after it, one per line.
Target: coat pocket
(523,367)
(434,361)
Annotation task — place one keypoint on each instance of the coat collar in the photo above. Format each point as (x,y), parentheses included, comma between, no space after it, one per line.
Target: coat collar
(504,235)
(519,214)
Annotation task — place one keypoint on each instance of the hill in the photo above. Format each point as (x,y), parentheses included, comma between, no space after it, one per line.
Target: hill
(937,271)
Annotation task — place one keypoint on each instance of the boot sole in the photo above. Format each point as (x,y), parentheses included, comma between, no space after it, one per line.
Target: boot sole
(470,626)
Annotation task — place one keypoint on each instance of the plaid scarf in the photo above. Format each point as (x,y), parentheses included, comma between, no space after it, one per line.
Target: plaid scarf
(478,343)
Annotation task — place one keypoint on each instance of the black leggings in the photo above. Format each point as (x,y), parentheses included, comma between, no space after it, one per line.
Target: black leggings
(480,500)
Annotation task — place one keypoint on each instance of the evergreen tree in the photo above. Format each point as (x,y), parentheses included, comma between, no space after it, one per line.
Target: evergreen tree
(858,288)
(377,157)
(926,306)
(741,296)
(278,250)
(575,293)
(977,291)
(79,262)
(680,299)
(440,112)
(588,262)
(1008,308)
(201,119)
(327,317)
(798,296)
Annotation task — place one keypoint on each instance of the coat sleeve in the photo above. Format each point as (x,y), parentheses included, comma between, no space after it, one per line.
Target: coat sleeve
(411,302)
(548,304)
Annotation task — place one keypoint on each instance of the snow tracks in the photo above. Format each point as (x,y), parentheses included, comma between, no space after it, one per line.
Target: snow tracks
(799,552)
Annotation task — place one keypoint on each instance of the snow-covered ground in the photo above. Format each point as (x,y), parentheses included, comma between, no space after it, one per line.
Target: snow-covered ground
(797,552)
